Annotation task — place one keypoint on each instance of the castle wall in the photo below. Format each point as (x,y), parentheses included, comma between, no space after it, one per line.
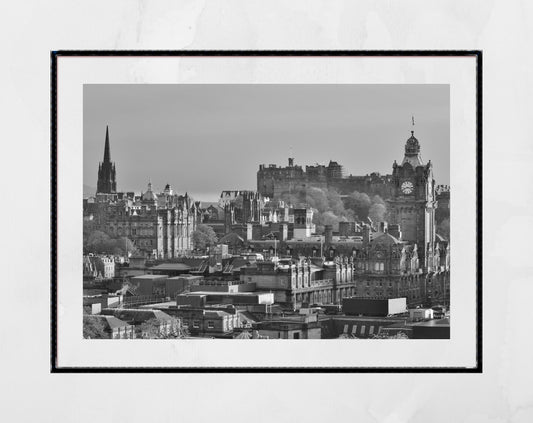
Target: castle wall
(274,181)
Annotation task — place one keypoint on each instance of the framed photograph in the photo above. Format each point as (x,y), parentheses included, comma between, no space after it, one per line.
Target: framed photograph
(266,211)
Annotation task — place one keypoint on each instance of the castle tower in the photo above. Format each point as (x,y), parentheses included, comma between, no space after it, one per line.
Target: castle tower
(106,171)
(412,203)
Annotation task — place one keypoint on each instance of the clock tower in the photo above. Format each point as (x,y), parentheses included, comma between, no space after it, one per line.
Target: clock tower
(412,203)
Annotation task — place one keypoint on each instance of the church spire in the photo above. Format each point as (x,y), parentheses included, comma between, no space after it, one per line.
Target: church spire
(106,170)
(107,153)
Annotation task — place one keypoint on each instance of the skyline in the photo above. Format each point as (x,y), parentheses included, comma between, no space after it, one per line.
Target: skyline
(312,123)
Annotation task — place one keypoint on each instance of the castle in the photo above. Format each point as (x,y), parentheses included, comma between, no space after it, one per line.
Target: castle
(275,181)
(402,257)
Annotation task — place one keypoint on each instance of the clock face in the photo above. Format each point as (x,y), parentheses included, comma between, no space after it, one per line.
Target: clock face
(407,187)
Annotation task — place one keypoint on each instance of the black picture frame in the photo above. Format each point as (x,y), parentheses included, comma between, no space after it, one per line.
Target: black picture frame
(477,54)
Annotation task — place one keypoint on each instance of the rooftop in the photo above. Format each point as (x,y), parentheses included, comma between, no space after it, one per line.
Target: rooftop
(224,293)
(186,276)
(433,323)
(141,277)
(171,266)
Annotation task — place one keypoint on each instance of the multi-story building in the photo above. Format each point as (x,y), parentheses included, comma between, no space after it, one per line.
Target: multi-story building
(295,283)
(98,267)
(412,203)
(159,224)
(241,207)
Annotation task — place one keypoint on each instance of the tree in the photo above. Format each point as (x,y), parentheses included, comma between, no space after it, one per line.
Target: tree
(98,242)
(124,246)
(317,199)
(152,329)
(399,335)
(94,328)
(203,237)
(101,242)
(377,212)
(360,203)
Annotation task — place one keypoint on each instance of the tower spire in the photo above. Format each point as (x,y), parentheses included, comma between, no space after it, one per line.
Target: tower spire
(107,153)
(107,183)
(413,122)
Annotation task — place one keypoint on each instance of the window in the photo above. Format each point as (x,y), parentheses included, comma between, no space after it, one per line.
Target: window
(195,324)
(296,336)
(363,328)
(210,324)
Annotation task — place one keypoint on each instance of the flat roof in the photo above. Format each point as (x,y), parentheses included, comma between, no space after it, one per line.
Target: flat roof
(340,317)
(185,277)
(150,277)
(431,323)
(233,294)
(167,304)
(171,266)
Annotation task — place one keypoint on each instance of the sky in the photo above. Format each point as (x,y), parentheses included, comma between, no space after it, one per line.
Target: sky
(203,139)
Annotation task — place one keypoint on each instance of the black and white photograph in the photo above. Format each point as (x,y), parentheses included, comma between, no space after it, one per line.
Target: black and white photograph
(301,214)
(296,211)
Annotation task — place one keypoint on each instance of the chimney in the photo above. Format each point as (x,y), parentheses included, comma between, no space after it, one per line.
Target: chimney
(284,232)
(291,162)
(249,232)
(366,234)
(328,234)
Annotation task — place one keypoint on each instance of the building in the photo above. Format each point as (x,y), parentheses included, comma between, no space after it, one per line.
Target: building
(98,267)
(360,327)
(374,306)
(290,327)
(107,183)
(149,285)
(412,203)
(241,207)
(209,322)
(298,282)
(159,224)
(432,329)
(275,181)
(202,299)
(113,328)
(147,322)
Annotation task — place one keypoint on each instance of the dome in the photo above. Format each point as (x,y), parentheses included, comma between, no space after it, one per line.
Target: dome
(412,146)
(149,195)
(412,152)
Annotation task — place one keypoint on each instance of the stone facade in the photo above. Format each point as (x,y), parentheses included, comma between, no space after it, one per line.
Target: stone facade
(159,224)
(412,204)
(275,181)
(159,228)
(299,282)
